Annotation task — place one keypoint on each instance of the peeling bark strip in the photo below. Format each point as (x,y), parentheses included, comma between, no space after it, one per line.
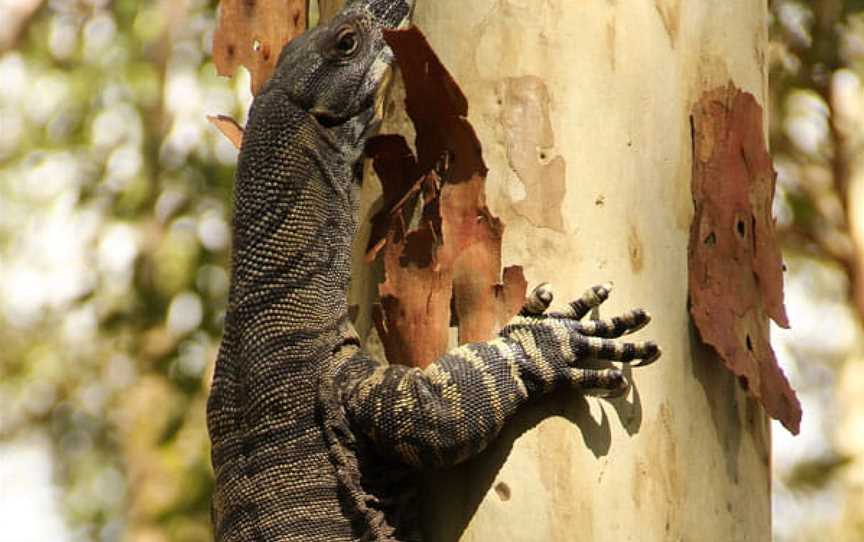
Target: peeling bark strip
(736,270)
(229,128)
(440,245)
(252,33)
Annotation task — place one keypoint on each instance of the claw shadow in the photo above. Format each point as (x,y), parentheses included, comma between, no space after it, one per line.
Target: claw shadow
(629,411)
(445,520)
(629,407)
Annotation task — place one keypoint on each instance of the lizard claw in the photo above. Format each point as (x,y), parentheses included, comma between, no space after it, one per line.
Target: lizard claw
(592,298)
(651,358)
(538,300)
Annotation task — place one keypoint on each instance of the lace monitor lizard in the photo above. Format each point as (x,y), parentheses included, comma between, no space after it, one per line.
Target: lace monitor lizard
(312,438)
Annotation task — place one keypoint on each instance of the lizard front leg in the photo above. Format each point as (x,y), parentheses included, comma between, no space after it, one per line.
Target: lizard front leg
(454,408)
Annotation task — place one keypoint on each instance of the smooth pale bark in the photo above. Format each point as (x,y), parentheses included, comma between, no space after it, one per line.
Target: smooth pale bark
(583,110)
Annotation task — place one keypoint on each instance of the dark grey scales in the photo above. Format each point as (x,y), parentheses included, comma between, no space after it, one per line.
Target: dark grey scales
(313,439)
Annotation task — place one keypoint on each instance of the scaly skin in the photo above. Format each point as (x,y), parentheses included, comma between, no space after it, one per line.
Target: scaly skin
(312,439)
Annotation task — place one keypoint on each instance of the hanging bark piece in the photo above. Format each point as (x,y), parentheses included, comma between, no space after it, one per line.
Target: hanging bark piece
(735,266)
(437,238)
(229,128)
(252,33)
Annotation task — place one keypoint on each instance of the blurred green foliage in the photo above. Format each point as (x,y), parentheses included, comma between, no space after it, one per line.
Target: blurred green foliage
(114,212)
(817,114)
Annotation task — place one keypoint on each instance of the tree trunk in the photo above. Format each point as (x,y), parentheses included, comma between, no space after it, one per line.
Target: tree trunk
(583,110)
(328,8)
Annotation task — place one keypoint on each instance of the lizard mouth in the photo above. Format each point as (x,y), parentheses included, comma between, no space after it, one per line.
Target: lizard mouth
(328,120)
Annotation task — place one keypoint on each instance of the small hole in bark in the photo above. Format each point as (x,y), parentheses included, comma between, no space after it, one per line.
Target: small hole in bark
(692,137)
(543,156)
(442,166)
(745,384)
(503,491)
(742,228)
(753,231)
(711,240)
(231,50)
(749,343)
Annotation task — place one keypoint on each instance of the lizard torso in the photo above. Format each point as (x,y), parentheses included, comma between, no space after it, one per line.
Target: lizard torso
(285,328)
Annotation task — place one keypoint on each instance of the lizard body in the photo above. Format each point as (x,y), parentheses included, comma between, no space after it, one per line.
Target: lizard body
(312,438)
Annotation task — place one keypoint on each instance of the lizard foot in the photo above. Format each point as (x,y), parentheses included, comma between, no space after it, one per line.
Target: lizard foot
(557,343)
(534,311)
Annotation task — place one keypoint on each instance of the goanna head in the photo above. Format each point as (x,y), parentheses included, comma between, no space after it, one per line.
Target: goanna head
(335,71)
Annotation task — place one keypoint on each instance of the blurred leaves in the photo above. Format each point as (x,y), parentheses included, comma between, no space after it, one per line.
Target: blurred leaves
(815,474)
(817,113)
(114,238)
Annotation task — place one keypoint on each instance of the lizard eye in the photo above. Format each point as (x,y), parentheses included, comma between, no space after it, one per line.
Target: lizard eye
(347,42)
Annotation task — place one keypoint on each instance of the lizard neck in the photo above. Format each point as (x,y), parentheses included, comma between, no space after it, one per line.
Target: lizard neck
(294,222)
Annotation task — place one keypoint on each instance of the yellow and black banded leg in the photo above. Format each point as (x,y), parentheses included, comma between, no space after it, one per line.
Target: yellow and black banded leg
(452,409)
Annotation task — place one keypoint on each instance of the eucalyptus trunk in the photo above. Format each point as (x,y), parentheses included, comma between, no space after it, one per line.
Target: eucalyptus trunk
(583,111)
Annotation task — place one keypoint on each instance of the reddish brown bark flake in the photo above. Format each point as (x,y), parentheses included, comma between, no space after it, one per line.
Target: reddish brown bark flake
(736,270)
(229,128)
(440,244)
(252,33)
